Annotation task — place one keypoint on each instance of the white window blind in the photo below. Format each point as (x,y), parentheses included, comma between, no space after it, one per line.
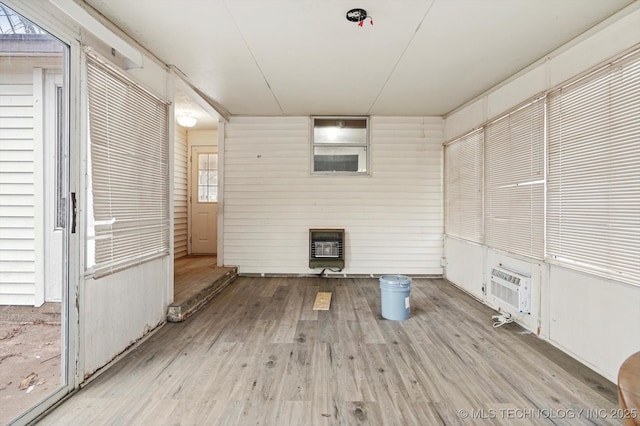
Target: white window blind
(128,130)
(514,180)
(594,173)
(463,187)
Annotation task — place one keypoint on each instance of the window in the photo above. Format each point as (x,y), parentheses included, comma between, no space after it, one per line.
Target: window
(498,173)
(207,178)
(340,145)
(129,172)
(593,189)
(463,187)
(514,181)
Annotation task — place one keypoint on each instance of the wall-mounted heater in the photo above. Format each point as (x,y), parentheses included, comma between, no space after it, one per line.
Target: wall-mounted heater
(511,288)
(326,248)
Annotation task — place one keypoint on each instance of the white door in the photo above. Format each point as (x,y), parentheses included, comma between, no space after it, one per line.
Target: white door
(204,201)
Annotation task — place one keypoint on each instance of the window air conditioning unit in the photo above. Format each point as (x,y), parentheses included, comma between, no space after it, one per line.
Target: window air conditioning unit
(326,248)
(511,288)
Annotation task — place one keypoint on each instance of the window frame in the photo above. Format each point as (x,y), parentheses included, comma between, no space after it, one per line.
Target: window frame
(122,237)
(592,183)
(366,145)
(514,186)
(207,170)
(464,187)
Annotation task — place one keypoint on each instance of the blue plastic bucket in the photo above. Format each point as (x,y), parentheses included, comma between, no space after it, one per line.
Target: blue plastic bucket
(394,296)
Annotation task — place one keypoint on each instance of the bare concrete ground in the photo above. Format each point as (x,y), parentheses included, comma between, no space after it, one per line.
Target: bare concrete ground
(29,364)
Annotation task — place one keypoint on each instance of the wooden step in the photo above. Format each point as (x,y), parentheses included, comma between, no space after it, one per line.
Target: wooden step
(180,310)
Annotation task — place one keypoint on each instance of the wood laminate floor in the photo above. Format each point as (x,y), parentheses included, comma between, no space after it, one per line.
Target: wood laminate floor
(258,354)
(192,274)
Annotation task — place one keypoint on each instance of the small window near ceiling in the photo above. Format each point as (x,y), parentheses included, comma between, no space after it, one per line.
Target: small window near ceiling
(340,145)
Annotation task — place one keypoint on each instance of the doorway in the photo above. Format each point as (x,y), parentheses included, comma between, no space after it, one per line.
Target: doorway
(203,238)
(34,218)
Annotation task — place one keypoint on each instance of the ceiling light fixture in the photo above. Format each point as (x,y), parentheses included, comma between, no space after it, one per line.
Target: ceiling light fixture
(359,16)
(186,120)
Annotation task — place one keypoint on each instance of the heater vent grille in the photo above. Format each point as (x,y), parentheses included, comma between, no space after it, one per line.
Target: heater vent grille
(326,248)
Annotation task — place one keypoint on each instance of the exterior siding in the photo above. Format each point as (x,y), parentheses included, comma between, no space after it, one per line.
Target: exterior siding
(180,195)
(392,218)
(17,190)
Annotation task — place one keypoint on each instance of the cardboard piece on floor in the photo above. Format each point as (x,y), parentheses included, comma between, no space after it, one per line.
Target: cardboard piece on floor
(323,300)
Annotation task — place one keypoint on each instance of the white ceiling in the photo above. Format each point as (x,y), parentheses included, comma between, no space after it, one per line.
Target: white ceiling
(302,57)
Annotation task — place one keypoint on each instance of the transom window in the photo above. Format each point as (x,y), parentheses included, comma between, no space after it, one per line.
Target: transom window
(340,145)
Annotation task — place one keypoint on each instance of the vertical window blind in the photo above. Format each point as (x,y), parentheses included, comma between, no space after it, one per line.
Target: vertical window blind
(593,190)
(463,187)
(514,181)
(128,130)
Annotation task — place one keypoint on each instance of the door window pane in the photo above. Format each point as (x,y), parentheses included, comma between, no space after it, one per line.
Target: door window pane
(207,178)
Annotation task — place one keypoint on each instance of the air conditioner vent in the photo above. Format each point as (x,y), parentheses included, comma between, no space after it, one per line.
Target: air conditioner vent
(511,288)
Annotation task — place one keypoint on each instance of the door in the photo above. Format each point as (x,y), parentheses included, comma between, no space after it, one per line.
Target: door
(37,331)
(203,238)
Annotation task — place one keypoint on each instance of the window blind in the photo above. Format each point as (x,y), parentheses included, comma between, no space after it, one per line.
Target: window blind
(594,172)
(514,181)
(463,187)
(128,130)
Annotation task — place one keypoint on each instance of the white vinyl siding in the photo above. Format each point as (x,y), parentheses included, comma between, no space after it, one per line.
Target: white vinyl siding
(463,177)
(17,190)
(514,181)
(392,218)
(180,188)
(594,173)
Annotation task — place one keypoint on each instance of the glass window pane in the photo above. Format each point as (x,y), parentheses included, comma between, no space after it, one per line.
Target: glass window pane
(34,143)
(207,178)
(340,145)
(339,159)
(340,131)
(203,161)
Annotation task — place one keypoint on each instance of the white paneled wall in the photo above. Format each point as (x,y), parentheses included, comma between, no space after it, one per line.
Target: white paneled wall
(594,319)
(180,195)
(119,309)
(465,265)
(392,218)
(203,137)
(17,190)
